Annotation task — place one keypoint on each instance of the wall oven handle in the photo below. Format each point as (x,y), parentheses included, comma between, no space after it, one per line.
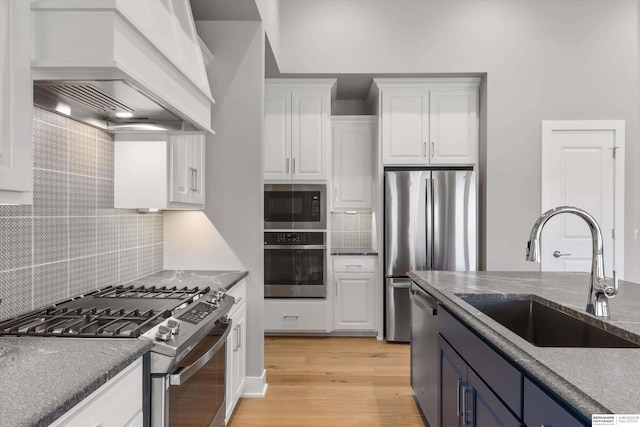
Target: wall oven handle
(184,374)
(295,247)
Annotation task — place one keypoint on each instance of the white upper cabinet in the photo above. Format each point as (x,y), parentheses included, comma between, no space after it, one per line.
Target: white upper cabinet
(453,120)
(405,126)
(187,169)
(353,142)
(429,121)
(159,171)
(297,129)
(16,103)
(277,134)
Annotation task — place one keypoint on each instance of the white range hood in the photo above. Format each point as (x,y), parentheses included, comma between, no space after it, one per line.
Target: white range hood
(118,64)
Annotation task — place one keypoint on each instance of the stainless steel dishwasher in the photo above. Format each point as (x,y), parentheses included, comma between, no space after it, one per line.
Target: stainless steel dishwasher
(424,352)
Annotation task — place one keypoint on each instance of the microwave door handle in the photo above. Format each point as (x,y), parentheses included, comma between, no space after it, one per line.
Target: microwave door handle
(184,374)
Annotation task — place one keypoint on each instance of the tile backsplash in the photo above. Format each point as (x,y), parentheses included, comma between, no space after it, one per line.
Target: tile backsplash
(351,230)
(71,240)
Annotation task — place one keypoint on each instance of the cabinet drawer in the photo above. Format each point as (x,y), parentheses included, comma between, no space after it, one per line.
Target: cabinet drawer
(360,264)
(239,292)
(497,373)
(295,316)
(541,409)
(124,392)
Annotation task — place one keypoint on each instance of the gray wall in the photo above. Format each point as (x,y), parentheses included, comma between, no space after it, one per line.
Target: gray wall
(234,159)
(543,59)
(71,240)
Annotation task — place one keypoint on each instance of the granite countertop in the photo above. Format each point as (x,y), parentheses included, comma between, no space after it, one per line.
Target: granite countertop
(354,251)
(193,278)
(593,380)
(42,378)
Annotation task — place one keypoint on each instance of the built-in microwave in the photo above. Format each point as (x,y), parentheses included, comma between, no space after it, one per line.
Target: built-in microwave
(295,206)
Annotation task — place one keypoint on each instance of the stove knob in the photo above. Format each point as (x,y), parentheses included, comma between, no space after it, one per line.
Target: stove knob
(174,326)
(163,333)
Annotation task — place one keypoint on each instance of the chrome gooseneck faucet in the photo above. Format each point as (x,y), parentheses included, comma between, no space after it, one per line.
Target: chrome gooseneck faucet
(599,289)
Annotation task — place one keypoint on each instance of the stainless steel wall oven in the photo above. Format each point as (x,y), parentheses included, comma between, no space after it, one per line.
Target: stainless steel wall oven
(295,264)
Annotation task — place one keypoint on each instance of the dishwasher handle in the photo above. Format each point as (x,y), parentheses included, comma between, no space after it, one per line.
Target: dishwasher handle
(423,300)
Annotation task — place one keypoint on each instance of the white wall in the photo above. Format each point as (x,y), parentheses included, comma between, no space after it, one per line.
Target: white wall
(192,242)
(229,233)
(543,59)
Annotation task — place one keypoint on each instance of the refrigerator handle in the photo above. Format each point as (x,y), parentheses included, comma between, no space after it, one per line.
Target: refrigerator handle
(429,222)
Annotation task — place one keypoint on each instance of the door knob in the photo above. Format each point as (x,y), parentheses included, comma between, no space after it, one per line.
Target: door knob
(557,254)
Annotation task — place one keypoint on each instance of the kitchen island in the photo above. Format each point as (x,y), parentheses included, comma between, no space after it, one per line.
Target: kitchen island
(591,380)
(42,378)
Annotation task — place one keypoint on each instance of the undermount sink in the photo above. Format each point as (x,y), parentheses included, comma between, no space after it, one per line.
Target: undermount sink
(542,325)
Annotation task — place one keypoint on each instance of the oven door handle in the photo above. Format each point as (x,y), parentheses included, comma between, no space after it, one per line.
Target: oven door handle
(185,373)
(295,246)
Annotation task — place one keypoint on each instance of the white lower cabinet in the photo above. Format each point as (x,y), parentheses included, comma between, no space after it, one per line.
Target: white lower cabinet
(236,348)
(296,315)
(124,392)
(355,293)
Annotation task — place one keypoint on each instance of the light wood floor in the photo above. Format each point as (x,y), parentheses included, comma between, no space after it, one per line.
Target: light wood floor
(332,382)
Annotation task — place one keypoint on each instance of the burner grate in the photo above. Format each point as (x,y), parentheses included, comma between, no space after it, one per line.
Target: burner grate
(113,312)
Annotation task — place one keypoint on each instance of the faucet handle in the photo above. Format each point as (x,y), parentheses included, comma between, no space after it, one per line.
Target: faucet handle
(611,291)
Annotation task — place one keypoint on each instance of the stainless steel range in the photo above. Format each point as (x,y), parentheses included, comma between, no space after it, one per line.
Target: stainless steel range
(188,328)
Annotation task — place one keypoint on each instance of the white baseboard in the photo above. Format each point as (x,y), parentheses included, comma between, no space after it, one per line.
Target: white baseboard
(255,386)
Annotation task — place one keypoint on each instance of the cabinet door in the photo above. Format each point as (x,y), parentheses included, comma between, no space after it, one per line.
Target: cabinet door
(195,168)
(180,175)
(124,392)
(240,352)
(277,134)
(309,133)
(236,359)
(186,167)
(352,164)
(453,375)
(540,409)
(354,303)
(454,125)
(483,408)
(405,126)
(16,103)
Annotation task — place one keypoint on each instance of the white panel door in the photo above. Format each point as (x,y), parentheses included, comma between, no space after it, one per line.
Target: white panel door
(277,134)
(453,125)
(179,178)
(309,128)
(16,103)
(196,169)
(405,126)
(352,162)
(583,166)
(354,304)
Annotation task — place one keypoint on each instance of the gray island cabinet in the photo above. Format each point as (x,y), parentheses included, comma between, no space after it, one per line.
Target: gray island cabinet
(490,376)
(480,387)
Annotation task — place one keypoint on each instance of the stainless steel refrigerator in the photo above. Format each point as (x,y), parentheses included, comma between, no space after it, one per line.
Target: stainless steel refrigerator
(430,223)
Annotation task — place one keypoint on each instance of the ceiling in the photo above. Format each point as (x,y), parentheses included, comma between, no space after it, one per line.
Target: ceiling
(349,86)
(224,10)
